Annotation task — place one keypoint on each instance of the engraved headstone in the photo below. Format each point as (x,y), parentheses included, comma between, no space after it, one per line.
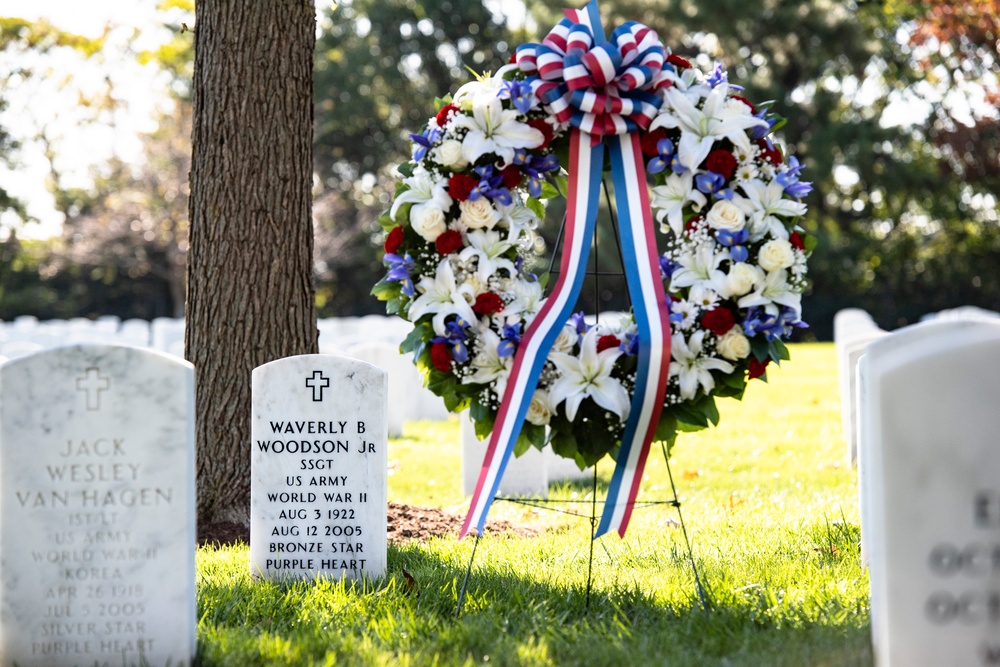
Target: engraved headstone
(318,491)
(97,515)
(932,485)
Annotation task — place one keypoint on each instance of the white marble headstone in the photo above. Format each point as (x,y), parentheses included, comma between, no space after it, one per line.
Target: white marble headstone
(318,492)
(931,421)
(97,514)
(525,475)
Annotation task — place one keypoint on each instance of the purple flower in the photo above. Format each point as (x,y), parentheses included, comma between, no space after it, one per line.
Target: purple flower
(535,167)
(734,241)
(789,180)
(401,269)
(423,142)
(579,322)
(456,334)
(664,156)
(511,336)
(519,93)
(709,182)
(491,186)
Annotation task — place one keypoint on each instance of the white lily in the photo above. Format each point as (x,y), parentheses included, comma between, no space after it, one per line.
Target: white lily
(775,288)
(424,188)
(487,246)
(588,375)
(762,203)
(527,298)
(700,266)
(670,199)
(442,296)
(493,129)
(691,368)
(520,220)
(719,118)
(489,366)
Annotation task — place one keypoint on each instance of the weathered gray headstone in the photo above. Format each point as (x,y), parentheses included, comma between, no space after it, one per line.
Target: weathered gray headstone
(97,515)
(932,485)
(318,495)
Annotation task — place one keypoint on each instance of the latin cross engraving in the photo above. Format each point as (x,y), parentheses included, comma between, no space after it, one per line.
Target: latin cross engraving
(318,382)
(93,383)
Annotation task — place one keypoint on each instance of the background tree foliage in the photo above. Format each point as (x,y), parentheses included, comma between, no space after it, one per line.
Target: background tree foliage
(891,104)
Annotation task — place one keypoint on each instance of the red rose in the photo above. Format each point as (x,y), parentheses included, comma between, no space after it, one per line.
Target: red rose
(678,62)
(393,240)
(605,342)
(448,242)
(441,357)
(796,241)
(770,152)
(649,140)
(444,114)
(718,320)
(487,303)
(721,162)
(543,127)
(745,101)
(511,176)
(460,186)
(757,368)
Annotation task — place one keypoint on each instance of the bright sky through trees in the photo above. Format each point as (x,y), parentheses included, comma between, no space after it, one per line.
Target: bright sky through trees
(49,104)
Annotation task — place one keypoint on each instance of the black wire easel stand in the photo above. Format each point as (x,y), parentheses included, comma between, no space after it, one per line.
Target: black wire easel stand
(593,517)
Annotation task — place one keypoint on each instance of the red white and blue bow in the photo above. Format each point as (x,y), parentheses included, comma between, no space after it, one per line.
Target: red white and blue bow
(605,90)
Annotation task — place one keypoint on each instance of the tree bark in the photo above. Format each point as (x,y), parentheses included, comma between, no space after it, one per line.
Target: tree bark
(250,294)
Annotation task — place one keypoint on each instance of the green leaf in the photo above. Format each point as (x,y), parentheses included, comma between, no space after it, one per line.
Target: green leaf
(536,207)
(760,347)
(384,289)
(549,190)
(778,351)
(386,221)
(406,169)
(810,242)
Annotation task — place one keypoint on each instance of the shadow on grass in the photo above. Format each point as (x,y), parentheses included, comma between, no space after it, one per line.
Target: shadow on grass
(512,615)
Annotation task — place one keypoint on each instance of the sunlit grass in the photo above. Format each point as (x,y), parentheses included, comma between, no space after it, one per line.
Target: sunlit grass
(769,506)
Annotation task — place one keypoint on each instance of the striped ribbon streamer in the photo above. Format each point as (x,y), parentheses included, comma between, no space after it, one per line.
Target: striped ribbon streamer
(602,91)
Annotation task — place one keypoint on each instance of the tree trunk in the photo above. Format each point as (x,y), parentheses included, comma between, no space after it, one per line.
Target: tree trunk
(250,295)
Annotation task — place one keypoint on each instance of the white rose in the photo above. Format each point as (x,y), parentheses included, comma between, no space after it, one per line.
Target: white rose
(775,255)
(724,214)
(733,345)
(539,412)
(566,339)
(449,154)
(478,214)
(428,221)
(741,280)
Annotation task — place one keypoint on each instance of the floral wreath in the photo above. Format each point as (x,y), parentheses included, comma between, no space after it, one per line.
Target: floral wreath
(462,253)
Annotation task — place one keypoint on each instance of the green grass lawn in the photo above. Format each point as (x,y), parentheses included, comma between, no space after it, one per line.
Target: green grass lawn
(769,505)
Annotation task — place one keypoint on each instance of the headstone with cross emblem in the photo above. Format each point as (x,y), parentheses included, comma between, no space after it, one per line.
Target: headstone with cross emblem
(318,491)
(97,516)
